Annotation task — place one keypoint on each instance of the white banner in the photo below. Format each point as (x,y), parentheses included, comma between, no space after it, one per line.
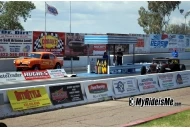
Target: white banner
(15,43)
(125,86)
(97,90)
(158,40)
(177,42)
(182,79)
(167,81)
(148,83)
(11,76)
(57,73)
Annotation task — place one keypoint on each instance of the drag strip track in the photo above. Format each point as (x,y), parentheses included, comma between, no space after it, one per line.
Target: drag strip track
(55,81)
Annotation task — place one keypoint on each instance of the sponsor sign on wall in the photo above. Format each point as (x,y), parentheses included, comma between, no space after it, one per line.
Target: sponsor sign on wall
(182,79)
(75,46)
(22,99)
(57,73)
(167,81)
(125,86)
(158,41)
(66,93)
(33,75)
(11,76)
(15,43)
(99,49)
(97,90)
(176,42)
(51,42)
(148,83)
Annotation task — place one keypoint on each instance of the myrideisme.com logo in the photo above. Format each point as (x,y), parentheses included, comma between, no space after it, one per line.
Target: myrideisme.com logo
(152,101)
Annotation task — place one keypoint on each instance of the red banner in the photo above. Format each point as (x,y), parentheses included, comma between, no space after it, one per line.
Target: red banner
(33,75)
(52,42)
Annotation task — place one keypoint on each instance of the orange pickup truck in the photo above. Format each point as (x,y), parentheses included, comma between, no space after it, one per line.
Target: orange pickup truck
(38,61)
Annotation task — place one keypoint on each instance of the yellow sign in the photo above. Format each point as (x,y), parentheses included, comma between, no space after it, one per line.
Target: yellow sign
(49,42)
(22,99)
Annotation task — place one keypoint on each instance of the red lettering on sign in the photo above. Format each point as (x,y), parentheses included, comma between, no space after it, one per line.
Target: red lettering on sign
(27,94)
(32,75)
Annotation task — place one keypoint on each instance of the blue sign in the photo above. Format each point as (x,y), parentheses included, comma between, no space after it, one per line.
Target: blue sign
(159,44)
(181,37)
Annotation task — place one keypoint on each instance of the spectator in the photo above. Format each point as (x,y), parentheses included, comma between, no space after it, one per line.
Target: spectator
(175,53)
(119,57)
(105,56)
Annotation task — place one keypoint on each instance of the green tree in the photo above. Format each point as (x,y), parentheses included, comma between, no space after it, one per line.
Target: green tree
(154,19)
(12,12)
(178,29)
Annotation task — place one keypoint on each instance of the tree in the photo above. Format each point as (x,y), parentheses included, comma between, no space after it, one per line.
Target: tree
(12,12)
(178,29)
(154,19)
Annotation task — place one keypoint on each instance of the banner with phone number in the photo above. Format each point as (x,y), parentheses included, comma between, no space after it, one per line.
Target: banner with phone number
(15,43)
(28,98)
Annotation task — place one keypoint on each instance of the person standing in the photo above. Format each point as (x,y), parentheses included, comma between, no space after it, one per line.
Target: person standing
(175,53)
(119,57)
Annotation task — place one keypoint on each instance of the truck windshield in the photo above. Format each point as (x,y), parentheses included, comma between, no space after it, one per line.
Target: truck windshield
(33,55)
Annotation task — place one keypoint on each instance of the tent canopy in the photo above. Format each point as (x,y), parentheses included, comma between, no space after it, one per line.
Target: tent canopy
(109,39)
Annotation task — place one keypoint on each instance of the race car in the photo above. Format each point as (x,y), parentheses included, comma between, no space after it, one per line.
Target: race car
(38,61)
(162,65)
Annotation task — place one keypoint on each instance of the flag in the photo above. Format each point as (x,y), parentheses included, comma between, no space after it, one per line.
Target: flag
(51,10)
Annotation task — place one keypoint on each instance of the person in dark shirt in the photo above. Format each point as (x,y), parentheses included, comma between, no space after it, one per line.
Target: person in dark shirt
(119,57)
(105,56)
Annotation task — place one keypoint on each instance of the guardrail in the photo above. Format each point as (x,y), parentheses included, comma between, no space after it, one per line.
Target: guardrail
(32,99)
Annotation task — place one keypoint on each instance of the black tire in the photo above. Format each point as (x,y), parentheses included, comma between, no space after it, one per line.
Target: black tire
(57,66)
(18,69)
(2,124)
(162,69)
(36,67)
(143,70)
(182,67)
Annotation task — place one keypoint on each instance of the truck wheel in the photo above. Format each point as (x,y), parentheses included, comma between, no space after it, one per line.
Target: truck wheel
(143,70)
(58,66)
(182,67)
(162,69)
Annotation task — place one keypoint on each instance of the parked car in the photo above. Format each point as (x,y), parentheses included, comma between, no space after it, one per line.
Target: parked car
(162,65)
(38,61)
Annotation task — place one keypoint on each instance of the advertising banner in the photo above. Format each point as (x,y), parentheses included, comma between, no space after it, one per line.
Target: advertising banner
(15,43)
(75,46)
(159,41)
(176,42)
(34,75)
(187,46)
(66,93)
(11,76)
(51,42)
(97,90)
(167,81)
(99,49)
(125,86)
(182,79)
(57,73)
(148,83)
(22,99)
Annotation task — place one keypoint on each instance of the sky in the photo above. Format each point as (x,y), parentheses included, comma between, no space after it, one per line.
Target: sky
(94,17)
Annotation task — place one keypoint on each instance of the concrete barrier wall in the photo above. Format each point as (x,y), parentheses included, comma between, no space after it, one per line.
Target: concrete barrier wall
(7,64)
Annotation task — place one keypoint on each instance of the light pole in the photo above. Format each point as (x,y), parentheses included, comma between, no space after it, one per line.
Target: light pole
(185,17)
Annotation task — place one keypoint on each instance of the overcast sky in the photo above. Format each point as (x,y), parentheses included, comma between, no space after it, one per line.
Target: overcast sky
(94,17)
